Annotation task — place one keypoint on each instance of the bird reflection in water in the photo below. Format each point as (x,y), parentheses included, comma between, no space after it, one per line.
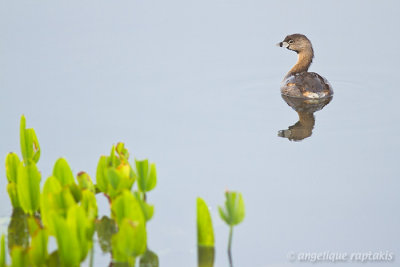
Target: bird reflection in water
(305,108)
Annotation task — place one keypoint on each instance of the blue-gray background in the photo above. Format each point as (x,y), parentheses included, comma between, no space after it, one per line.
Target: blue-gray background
(194,87)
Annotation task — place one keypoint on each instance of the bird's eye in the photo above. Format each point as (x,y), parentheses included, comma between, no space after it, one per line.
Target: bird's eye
(291,42)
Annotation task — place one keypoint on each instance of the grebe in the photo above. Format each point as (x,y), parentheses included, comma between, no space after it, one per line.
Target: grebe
(299,82)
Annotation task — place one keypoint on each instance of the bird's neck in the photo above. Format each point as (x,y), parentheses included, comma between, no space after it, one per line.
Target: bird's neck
(304,61)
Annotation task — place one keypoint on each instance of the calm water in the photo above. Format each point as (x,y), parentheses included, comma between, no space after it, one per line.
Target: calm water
(195,88)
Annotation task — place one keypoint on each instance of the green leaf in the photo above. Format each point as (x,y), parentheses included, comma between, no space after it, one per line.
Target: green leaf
(62,202)
(63,172)
(36,146)
(125,171)
(113,160)
(28,187)
(118,179)
(30,148)
(102,183)
(89,204)
(67,242)
(129,242)
(54,200)
(114,174)
(205,232)
(147,177)
(234,211)
(19,257)
(152,179)
(82,227)
(25,145)
(122,151)
(223,215)
(113,178)
(38,250)
(13,194)
(48,203)
(3,255)
(52,186)
(76,192)
(34,225)
(12,163)
(126,206)
(85,182)
(147,209)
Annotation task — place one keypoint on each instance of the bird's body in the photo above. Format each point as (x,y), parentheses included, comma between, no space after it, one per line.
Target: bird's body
(306,84)
(299,82)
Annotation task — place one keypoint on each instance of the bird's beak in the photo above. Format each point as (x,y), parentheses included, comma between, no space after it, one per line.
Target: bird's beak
(283,44)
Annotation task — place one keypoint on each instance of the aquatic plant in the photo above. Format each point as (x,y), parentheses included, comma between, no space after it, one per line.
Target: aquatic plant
(131,239)
(147,209)
(232,213)
(23,176)
(28,187)
(38,246)
(205,232)
(129,242)
(3,251)
(205,235)
(30,148)
(85,182)
(74,231)
(147,175)
(12,164)
(66,208)
(114,173)
(19,257)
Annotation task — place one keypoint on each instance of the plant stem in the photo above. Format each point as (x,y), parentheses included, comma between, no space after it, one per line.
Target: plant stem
(230,237)
(230,245)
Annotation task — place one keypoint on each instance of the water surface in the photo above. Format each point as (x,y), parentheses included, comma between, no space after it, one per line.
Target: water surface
(194,86)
